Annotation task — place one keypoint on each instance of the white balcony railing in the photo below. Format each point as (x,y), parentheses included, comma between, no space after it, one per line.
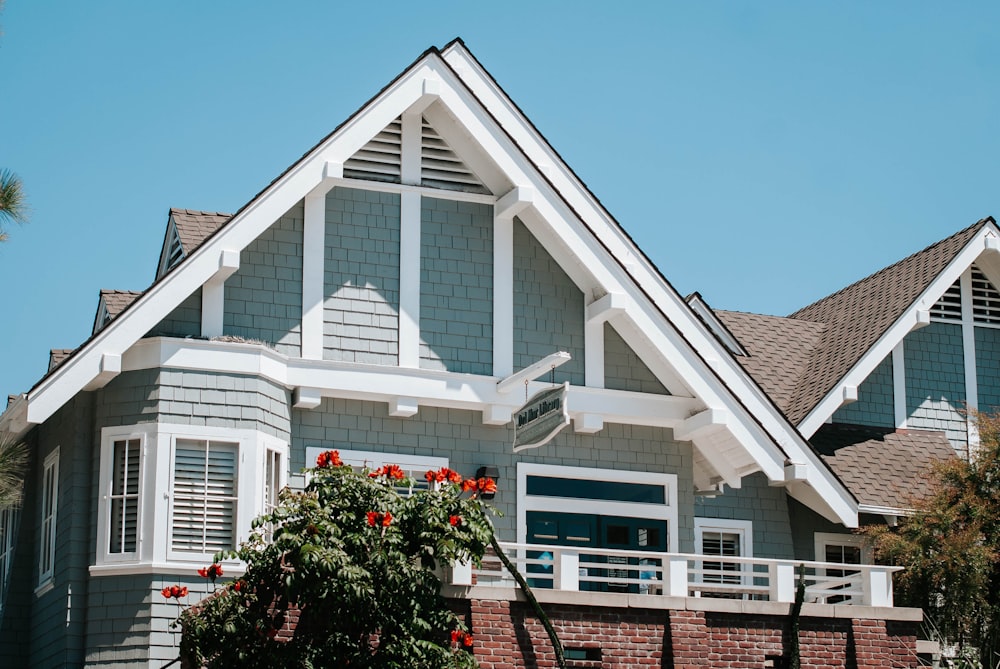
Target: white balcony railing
(683,575)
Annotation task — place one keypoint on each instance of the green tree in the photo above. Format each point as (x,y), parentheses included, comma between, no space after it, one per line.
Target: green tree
(950,547)
(13,204)
(355,560)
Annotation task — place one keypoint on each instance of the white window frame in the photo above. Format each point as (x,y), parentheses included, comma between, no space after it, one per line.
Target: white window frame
(742,528)
(824,539)
(597,507)
(47,526)
(106,485)
(154,549)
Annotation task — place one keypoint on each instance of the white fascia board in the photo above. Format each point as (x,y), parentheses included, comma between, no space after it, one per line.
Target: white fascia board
(914,317)
(381,383)
(286,191)
(752,400)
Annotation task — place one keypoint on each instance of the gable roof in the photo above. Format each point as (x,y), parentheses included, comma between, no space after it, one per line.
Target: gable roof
(886,469)
(858,315)
(736,431)
(194,227)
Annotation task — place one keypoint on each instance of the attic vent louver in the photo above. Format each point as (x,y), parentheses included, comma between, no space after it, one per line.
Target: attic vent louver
(440,166)
(949,307)
(985,299)
(379,159)
(175,250)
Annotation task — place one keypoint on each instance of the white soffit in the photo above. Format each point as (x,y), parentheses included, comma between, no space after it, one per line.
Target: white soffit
(978,250)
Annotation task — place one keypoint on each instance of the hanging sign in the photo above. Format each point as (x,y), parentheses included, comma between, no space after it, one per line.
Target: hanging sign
(541,418)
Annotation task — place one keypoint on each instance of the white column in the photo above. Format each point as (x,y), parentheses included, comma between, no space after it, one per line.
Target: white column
(409,279)
(313,269)
(969,358)
(899,385)
(593,362)
(213,295)
(503,296)
(409,162)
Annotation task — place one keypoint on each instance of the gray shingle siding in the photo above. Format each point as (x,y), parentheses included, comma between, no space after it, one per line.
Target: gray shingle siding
(456,286)
(988,368)
(765,506)
(263,298)
(935,381)
(875,400)
(624,370)
(361,277)
(548,309)
(184,321)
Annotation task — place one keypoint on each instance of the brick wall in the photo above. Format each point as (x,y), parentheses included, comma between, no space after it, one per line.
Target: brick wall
(509,636)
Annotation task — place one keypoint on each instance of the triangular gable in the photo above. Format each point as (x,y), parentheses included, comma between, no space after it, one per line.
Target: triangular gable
(737,431)
(869,318)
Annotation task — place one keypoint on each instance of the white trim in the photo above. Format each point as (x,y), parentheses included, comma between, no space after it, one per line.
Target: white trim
(411,123)
(313,274)
(899,384)
(48,525)
(108,438)
(503,296)
(969,360)
(593,359)
(667,511)
(425,191)
(823,539)
(409,278)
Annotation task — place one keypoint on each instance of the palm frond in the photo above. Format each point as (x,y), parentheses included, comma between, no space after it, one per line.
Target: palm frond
(13,462)
(13,204)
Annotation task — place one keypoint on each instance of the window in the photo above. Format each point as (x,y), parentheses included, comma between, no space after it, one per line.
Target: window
(415,466)
(841,549)
(203,515)
(8,529)
(724,538)
(123,498)
(50,504)
(181,493)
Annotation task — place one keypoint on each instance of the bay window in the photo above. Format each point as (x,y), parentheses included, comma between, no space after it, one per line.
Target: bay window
(173,496)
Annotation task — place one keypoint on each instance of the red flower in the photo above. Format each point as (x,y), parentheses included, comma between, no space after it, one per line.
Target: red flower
(329,459)
(213,572)
(487,486)
(454,477)
(430,476)
(395,472)
(386,519)
(372,518)
(455,520)
(455,636)
(466,639)
(237,585)
(468,484)
(175,591)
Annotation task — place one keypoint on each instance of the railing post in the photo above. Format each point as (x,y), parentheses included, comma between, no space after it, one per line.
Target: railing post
(461,573)
(781,582)
(675,576)
(876,587)
(567,570)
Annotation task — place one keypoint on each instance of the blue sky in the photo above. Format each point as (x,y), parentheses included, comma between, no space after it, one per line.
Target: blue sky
(764,154)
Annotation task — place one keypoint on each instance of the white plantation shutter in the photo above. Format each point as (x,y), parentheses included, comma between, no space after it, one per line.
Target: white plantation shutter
(723,544)
(949,307)
(124,498)
(204,496)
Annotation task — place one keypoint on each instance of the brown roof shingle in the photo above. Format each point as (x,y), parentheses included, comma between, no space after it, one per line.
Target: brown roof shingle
(882,466)
(194,227)
(779,350)
(116,301)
